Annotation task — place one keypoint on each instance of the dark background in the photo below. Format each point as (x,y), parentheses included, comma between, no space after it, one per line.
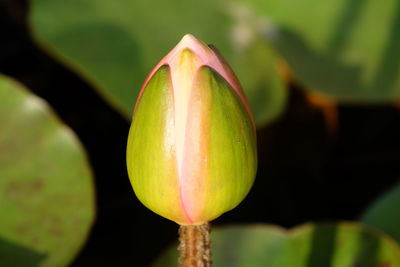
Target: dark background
(306,172)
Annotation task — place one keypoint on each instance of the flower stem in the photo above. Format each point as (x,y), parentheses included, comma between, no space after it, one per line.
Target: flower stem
(194,245)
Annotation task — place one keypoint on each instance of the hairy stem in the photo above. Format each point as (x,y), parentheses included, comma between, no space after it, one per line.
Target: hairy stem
(194,245)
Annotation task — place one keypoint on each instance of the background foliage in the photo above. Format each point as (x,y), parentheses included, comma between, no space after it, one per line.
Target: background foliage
(322,78)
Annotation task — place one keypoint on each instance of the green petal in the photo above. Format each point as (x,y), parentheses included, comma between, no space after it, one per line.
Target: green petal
(151,159)
(232,150)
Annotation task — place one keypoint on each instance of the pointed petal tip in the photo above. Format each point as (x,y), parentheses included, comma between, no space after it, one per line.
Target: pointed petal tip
(189,38)
(194,44)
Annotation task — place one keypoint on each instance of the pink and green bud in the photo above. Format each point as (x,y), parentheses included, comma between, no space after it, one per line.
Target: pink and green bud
(191,152)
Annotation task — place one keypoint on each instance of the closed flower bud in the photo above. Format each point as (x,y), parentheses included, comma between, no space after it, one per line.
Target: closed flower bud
(191,152)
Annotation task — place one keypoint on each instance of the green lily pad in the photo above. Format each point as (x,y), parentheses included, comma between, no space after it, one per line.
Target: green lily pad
(383,213)
(115,44)
(46,186)
(347,49)
(309,245)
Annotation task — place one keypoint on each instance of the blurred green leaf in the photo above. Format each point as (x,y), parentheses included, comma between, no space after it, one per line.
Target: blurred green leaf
(46,187)
(384,213)
(115,44)
(309,245)
(348,49)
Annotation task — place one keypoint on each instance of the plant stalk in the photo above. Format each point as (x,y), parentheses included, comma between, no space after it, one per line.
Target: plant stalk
(194,245)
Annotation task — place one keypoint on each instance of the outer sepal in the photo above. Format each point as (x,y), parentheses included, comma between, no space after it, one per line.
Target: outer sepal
(221,157)
(151,158)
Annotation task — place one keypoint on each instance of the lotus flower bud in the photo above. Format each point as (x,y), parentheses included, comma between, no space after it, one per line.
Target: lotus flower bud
(191,152)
